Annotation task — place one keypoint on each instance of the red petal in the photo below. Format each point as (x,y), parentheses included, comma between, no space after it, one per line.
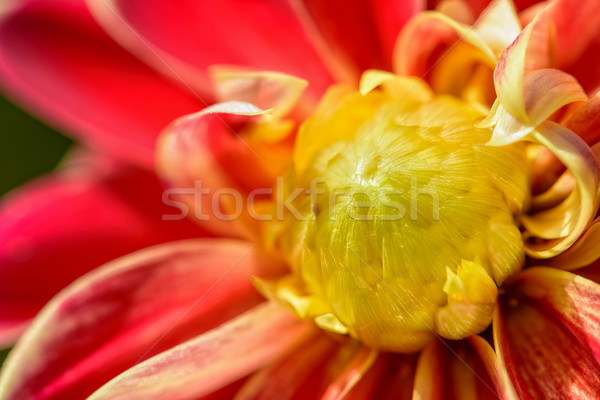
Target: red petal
(577,25)
(205,153)
(186,37)
(361,33)
(57,61)
(127,311)
(212,360)
(61,226)
(547,333)
(456,370)
(290,377)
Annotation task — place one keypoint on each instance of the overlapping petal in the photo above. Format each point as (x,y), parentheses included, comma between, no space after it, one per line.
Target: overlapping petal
(57,61)
(547,334)
(196,156)
(129,310)
(213,360)
(458,370)
(61,226)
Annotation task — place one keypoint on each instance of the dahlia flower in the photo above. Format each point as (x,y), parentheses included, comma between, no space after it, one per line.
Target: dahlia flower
(368,199)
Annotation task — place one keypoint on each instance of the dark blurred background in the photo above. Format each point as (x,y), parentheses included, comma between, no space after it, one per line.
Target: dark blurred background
(28,148)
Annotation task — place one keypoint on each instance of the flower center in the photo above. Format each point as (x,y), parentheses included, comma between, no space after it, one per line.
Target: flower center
(405,225)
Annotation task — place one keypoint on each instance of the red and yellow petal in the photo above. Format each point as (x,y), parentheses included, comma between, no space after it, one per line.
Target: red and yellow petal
(213,360)
(547,335)
(129,310)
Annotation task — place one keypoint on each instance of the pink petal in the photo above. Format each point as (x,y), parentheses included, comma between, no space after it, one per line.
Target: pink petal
(61,226)
(186,37)
(547,333)
(129,310)
(210,361)
(205,153)
(57,61)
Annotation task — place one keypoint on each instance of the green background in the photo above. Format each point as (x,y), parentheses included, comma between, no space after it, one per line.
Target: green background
(28,148)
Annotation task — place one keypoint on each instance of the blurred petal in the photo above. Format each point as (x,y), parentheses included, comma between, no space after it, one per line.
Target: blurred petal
(577,28)
(61,226)
(547,334)
(58,62)
(585,121)
(266,90)
(184,38)
(211,361)
(359,34)
(129,310)
(213,162)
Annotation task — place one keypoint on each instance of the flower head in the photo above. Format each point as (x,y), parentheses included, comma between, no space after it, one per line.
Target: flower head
(396,197)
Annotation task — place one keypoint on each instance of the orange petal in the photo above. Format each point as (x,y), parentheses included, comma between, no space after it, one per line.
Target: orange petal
(352,373)
(568,220)
(529,51)
(585,121)
(547,334)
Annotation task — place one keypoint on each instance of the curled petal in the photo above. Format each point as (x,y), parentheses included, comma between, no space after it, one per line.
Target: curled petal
(564,223)
(547,334)
(211,361)
(129,310)
(525,54)
(216,159)
(266,90)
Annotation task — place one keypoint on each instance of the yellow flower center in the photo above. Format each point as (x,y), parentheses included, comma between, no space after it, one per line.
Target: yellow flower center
(405,224)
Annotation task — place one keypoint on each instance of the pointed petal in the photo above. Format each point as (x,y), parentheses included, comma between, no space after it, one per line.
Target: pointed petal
(211,361)
(128,310)
(455,370)
(291,376)
(56,61)
(61,226)
(183,39)
(546,332)
(352,373)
